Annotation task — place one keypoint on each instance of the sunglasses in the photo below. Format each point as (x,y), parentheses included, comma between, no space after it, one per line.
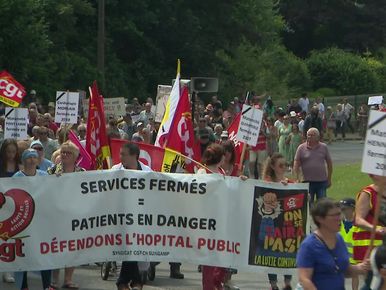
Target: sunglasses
(38,148)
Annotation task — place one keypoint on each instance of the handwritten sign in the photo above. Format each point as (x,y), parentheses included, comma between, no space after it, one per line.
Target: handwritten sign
(374,153)
(249,126)
(67,106)
(16,123)
(114,107)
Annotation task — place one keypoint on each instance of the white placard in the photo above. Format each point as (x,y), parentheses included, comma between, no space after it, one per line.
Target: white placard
(375,100)
(249,126)
(16,123)
(67,107)
(114,107)
(131,215)
(163,93)
(374,153)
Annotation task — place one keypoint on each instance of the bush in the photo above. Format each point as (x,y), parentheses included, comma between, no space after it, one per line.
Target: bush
(345,72)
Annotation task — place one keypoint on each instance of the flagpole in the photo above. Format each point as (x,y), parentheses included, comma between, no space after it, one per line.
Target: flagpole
(242,156)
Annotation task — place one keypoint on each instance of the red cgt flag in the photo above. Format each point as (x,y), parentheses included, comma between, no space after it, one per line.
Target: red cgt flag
(97,144)
(181,134)
(232,132)
(11,92)
(150,155)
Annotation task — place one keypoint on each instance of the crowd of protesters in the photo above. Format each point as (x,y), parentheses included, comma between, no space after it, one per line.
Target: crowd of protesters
(290,139)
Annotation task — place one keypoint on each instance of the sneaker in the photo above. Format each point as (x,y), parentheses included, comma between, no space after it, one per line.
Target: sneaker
(230,286)
(8,278)
(288,287)
(275,288)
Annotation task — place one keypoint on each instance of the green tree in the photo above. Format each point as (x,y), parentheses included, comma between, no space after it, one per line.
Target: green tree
(353,25)
(25,43)
(344,72)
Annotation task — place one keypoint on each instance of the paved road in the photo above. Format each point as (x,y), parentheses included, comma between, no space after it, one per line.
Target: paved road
(347,152)
(89,277)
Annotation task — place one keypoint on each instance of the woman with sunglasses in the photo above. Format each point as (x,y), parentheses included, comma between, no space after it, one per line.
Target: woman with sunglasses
(68,156)
(274,171)
(323,259)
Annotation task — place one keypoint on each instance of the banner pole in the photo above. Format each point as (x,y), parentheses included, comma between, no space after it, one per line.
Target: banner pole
(242,157)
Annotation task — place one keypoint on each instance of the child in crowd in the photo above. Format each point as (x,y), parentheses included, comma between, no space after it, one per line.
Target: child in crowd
(348,208)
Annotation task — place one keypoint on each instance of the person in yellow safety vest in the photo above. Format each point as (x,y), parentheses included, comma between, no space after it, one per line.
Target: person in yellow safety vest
(348,208)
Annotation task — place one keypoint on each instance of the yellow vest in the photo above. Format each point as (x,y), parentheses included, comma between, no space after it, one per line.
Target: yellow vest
(347,237)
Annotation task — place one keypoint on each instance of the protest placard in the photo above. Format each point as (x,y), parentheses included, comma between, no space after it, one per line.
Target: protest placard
(374,153)
(11,92)
(67,107)
(249,126)
(16,123)
(163,93)
(375,100)
(148,216)
(114,107)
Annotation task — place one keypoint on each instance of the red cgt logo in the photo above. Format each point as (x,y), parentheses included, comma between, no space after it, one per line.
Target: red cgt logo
(20,207)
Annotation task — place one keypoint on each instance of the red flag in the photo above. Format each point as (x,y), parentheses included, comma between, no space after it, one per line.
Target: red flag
(11,92)
(232,132)
(84,159)
(97,144)
(181,134)
(150,155)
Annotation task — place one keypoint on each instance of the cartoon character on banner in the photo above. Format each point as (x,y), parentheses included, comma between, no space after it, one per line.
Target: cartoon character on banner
(269,208)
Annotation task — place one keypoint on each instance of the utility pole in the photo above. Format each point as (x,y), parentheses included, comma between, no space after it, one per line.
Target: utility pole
(101,41)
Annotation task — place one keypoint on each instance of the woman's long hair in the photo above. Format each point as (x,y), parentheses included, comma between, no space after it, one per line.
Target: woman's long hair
(268,172)
(3,156)
(213,154)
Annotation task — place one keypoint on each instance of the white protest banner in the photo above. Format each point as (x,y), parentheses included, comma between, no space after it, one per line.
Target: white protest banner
(114,107)
(374,152)
(128,215)
(375,100)
(163,93)
(67,107)
(16,123)
(249,127)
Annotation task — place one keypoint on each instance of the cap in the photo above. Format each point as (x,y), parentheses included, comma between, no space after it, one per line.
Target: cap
(348,202)
(139,124)
(293,114)
(224,134)
(28,153)
(32,92)
(36,142)
(51,104)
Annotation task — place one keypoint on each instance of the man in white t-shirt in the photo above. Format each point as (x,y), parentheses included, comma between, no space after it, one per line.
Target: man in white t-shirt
(320,106)
(348,109)
(304,102)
